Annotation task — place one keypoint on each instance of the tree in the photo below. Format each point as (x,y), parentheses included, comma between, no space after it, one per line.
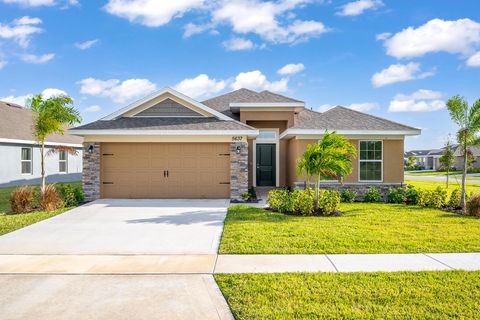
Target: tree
(447,160)
(468,119)
(331,157)
(411,162)
(51,116)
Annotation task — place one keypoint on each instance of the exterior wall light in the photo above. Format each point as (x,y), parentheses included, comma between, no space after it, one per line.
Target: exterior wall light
(238,149)
(90,149)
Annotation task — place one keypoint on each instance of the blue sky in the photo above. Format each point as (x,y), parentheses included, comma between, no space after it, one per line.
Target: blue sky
(396,59)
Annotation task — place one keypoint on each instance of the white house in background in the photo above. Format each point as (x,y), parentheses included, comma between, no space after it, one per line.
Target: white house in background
(20,154)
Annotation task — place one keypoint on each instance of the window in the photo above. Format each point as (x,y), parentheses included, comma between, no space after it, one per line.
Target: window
(62,162)
(371,157)
(26,160)
(267,135)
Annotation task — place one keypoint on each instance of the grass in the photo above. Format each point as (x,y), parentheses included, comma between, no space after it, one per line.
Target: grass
(431,173)
(12,222)
(363,228)
(397,295)
(471,187)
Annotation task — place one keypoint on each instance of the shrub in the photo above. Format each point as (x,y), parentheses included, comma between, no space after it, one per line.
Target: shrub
(280,200)
(372,195)
(396,195)
(411,195)
(328,201)
(21,200)
(303,202)
(72,196)
(454,200)
(473,205)
(348,196)
(50,198)
(433,198)
(252,193)
(245,196)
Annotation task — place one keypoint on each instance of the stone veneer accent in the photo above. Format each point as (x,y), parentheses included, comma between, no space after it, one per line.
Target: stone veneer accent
(91,171)
(361,188)
(238,170)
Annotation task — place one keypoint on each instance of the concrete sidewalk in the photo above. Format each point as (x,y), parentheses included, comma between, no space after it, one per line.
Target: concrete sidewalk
(212,264)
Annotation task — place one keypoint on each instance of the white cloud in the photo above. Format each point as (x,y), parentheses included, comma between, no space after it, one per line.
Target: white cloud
(362,107)
(20,30)
(474,60)
(238,44)
(116,90)
(291,68)
(200,86)
(457,37)
(151,13)
(356,8)
(86,45)
(399,72)
(37,59)
(93,109)
(383,36)
(3,63)
(420,101)
(53,92)
(266,20)
(256,80)
(22,100)
(31,3)
(192,29)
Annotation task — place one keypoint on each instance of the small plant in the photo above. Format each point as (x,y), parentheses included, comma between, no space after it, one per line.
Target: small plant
(329,201)
(396,195)
(280,200)
(349,196)
(50,198)
(372,195)
(303,201)
(72,196)
(454,200)
(473,205)
(246,196)
(411,195)
(433,198)
(21,200)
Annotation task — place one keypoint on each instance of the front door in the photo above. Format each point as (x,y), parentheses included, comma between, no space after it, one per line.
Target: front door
(266,165)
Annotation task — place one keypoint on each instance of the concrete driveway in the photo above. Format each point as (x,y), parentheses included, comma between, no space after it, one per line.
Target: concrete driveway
(116,259)
(125,227)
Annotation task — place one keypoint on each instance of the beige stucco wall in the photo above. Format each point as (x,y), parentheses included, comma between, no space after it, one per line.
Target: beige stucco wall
(392,160)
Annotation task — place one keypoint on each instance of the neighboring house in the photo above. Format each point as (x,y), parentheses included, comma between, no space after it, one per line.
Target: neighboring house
(168,145)
(459,158)
(20,153)
(426,159)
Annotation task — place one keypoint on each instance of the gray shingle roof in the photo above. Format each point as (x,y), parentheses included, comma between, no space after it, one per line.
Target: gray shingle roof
(16,122)
(164,124)
(341,118)
(222,103)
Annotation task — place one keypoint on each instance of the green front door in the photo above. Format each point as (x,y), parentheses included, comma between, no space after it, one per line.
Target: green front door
(266,165)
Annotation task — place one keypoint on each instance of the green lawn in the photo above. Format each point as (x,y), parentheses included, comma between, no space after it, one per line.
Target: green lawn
(362,228)
(396,295)
(430,173)
(11,222)
(426,184)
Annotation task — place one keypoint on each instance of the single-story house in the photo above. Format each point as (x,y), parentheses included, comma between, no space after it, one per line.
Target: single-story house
(426,159)
(475,152)
(20,154)
(169,145)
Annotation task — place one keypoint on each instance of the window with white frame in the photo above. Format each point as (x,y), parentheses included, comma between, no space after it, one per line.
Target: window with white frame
(62,162)
(26,160)
(267,135)
(371,160)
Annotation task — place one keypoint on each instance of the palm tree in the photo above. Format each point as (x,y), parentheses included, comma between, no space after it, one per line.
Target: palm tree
(468,119)
(331,157)
(51,116)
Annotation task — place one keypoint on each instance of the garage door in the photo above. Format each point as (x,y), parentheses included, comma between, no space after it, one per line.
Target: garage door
(165,170)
